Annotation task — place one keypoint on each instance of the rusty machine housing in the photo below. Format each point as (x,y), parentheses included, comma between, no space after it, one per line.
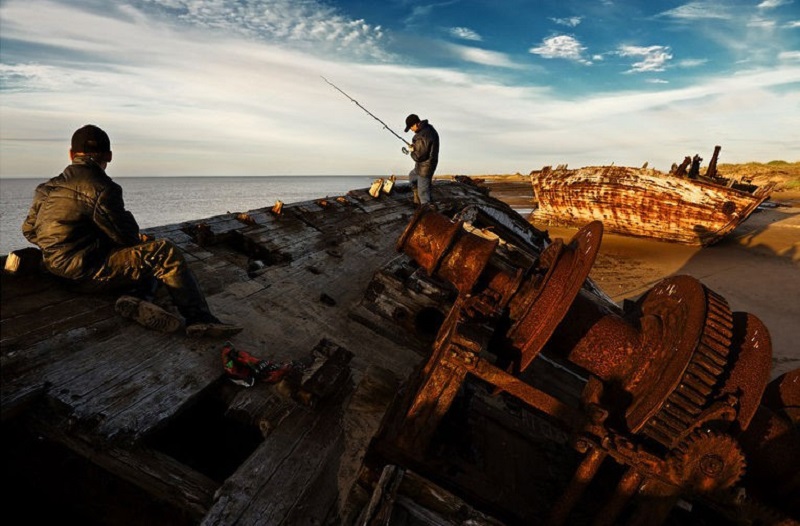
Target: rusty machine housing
(672,384)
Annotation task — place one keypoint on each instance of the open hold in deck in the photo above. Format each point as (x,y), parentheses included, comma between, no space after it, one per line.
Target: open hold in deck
(205,439)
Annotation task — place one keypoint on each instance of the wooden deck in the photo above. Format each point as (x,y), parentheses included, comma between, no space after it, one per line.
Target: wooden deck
(105,422)
(142,427)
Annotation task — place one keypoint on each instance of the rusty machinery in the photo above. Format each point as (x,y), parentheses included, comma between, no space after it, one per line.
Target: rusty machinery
(672,386)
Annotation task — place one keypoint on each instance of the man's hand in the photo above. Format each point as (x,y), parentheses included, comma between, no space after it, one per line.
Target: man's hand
(144,238)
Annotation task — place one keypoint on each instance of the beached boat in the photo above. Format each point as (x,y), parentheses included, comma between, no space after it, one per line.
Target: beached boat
(464,370)
(644,202)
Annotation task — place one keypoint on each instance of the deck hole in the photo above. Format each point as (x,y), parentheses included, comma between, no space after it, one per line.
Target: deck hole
(428,321)
(203,438)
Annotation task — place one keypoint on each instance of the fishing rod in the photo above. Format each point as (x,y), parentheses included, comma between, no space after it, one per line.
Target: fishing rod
(405,150)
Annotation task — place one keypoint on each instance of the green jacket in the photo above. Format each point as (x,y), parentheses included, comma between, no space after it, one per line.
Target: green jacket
(78,218)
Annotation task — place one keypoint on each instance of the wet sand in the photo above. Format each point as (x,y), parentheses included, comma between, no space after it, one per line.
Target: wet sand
(756,269)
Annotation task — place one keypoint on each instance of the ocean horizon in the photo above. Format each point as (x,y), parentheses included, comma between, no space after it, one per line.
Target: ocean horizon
(157,201)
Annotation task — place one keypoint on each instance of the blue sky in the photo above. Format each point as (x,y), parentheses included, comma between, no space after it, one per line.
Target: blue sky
(223,87)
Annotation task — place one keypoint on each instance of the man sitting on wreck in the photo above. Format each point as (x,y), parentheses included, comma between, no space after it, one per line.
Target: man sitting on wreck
(79,221)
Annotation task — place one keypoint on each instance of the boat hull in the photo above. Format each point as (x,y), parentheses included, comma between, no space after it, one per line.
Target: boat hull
(642,203)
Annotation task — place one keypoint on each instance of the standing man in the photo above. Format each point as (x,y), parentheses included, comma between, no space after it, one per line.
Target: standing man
(79,221)
(425,152)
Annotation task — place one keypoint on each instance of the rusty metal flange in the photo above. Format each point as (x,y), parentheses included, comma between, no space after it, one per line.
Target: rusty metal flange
(752,364)
(537,309)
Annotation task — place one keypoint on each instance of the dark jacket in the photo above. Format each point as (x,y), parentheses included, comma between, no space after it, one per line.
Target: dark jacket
(77,218)
(426,150)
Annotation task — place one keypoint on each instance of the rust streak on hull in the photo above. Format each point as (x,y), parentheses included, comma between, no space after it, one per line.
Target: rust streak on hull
(643,202)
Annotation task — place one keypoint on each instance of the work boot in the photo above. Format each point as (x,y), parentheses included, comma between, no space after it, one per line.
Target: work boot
(147,314)
(209,326)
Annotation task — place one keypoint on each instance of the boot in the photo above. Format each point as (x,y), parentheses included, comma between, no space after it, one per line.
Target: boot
(208,326)
(147,314)
(189,298)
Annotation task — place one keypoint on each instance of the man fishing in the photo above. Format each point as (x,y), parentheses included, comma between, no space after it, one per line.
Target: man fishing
(424,150)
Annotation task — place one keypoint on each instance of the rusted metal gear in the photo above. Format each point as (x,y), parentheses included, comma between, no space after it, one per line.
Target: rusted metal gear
(707,462)
(692,333)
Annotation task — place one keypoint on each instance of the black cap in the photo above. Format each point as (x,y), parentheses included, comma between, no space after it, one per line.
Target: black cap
(411,120)
(90,139)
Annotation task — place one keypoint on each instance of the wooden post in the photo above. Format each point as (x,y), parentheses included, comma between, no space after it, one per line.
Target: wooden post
(712,165)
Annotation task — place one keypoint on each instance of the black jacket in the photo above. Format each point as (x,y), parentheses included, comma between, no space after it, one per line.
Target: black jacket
(77,218)
(426,150)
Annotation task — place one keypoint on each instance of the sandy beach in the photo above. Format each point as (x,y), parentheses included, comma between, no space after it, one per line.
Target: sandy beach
(756,268)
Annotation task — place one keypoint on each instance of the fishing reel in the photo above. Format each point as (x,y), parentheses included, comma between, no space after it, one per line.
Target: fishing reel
(408,150)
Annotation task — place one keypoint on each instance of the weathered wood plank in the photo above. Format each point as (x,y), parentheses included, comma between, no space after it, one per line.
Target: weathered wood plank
(261,406)
(402,498)
(24,370)
(276,479)
(123,384)
(54,318)
(158,474)
(332,374)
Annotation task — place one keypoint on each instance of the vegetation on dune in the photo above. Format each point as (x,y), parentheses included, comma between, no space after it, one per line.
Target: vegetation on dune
(786,175)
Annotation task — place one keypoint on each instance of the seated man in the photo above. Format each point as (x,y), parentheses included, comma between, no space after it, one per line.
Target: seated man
(78,220)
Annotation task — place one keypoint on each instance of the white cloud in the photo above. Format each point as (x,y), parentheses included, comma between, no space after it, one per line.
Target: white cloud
(789,55)
(310,24)
(793,24)
(771,4)
(481,56)
(465,33)
(698,11)
(561,46)
(657,81)
(183,100)
(692,62)
(762,23)
(654,58)
(570,22)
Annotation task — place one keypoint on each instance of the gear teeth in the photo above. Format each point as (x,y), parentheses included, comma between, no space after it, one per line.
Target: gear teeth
(701,379)
(707,462)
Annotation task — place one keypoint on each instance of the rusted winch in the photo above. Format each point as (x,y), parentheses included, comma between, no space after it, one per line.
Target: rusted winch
(671,384)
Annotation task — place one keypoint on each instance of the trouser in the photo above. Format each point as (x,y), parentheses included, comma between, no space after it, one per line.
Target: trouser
(422,184)
(160,260)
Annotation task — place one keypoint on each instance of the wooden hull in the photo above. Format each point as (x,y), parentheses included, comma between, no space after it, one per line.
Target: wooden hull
(107,422)
(642,203)
(148,415)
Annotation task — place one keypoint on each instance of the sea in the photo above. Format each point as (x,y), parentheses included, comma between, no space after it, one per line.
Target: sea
(156,201)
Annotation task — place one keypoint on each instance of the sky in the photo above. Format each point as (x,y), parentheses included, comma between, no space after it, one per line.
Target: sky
(236,87)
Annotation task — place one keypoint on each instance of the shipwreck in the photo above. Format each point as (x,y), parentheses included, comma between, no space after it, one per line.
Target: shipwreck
(465,371)
(681,207)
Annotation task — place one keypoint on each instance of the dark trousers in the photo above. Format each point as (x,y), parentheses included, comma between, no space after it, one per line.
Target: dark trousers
(158,260)
(422,184)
